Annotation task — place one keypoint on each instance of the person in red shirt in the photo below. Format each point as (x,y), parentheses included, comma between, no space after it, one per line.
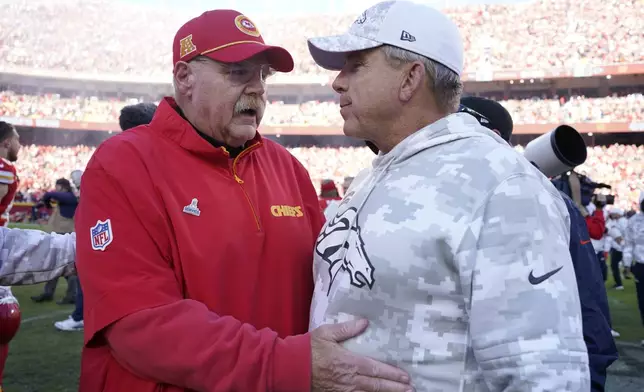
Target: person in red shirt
(328,192)
(195,240)
(9,148)
(596,221)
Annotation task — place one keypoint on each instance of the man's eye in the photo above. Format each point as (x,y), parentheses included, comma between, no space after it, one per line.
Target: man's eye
(239,72)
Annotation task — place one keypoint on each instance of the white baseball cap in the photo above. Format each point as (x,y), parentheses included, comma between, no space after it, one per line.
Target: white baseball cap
(418,28)
(616,210)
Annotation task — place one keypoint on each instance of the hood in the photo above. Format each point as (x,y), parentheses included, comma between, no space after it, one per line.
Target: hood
(446,130)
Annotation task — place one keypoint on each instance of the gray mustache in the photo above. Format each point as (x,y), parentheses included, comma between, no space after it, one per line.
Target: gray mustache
(248,103)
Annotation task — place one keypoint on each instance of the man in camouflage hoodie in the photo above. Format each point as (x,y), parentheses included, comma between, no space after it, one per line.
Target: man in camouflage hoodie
(453,245)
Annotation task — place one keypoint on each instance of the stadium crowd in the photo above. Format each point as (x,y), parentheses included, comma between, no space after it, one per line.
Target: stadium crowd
(88,35)
(621,166)
(525,111)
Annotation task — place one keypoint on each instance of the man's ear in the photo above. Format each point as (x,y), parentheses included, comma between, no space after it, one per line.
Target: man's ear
(184,78)
(412,81)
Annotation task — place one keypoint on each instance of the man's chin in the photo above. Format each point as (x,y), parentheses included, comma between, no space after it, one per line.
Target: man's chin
(351,131)
(240,135)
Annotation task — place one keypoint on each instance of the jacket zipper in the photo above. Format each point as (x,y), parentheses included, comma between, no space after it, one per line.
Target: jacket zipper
(239,181)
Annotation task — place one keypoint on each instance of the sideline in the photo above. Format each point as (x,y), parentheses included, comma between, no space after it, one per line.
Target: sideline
(628,344)
(44,316)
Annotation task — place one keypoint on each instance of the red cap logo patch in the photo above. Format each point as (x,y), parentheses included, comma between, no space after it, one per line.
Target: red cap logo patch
(246,26)
(186,46)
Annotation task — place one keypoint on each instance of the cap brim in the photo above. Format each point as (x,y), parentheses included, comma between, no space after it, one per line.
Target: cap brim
(279,58)
(331,52)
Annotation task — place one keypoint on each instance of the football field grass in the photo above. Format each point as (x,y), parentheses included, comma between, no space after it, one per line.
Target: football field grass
(43,359)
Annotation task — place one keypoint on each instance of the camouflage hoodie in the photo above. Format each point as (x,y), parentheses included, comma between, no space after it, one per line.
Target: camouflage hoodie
(34,256)
(455,248)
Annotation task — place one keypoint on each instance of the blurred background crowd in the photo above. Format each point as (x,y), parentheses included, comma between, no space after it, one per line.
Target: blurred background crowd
(88,39)
(535,110)
(533,35)
(620,166)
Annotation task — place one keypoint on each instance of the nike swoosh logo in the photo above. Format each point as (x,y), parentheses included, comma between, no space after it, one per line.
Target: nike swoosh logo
(535,280)
(584,242)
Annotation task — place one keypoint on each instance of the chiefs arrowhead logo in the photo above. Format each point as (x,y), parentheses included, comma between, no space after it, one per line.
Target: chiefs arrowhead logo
(246,26)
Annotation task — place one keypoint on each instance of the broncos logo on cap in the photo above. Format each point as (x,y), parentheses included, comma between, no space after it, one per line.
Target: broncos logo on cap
(340,244)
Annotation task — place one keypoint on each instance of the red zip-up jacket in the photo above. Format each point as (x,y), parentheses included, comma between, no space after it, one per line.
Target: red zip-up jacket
(596,225)
(196,267)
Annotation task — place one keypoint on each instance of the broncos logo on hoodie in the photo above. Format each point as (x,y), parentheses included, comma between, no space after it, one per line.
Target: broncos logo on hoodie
(340,244)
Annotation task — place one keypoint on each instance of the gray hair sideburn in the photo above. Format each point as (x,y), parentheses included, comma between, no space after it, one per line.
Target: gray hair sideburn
(445,84)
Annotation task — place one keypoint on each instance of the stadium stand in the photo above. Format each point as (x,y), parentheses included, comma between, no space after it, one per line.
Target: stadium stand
(88,35)
(620,166)
(547,61)
(525,111)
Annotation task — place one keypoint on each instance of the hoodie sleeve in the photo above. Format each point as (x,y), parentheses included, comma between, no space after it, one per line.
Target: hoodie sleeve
(629,243)
(34,256)
(524,308)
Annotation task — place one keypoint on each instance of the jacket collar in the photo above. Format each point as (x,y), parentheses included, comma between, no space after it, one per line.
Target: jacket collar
(168,122)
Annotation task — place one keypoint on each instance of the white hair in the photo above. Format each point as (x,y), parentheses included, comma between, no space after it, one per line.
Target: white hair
(444,83)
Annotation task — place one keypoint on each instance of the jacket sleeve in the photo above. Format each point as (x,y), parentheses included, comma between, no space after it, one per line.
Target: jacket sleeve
(46,199)
(608,240)
(60,197)
(600,344)
(184,344)
(629,243)
(525,315)
(134,303)
(34,256)
(596,224)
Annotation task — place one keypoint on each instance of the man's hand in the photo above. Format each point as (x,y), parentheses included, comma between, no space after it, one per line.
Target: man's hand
(336,369)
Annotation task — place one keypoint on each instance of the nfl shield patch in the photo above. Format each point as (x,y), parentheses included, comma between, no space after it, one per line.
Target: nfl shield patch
(101,235)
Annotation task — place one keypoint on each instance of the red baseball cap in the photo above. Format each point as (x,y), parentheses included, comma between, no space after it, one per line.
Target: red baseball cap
(328,186)
(226,36)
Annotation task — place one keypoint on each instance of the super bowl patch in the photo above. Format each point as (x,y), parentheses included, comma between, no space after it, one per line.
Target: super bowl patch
(101,235)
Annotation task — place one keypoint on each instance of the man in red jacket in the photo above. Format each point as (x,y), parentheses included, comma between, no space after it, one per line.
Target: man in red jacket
(195,238)
(596,221)
(328,193)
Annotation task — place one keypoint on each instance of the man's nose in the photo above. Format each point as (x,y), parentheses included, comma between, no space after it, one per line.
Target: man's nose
(340,84)
(257,85)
